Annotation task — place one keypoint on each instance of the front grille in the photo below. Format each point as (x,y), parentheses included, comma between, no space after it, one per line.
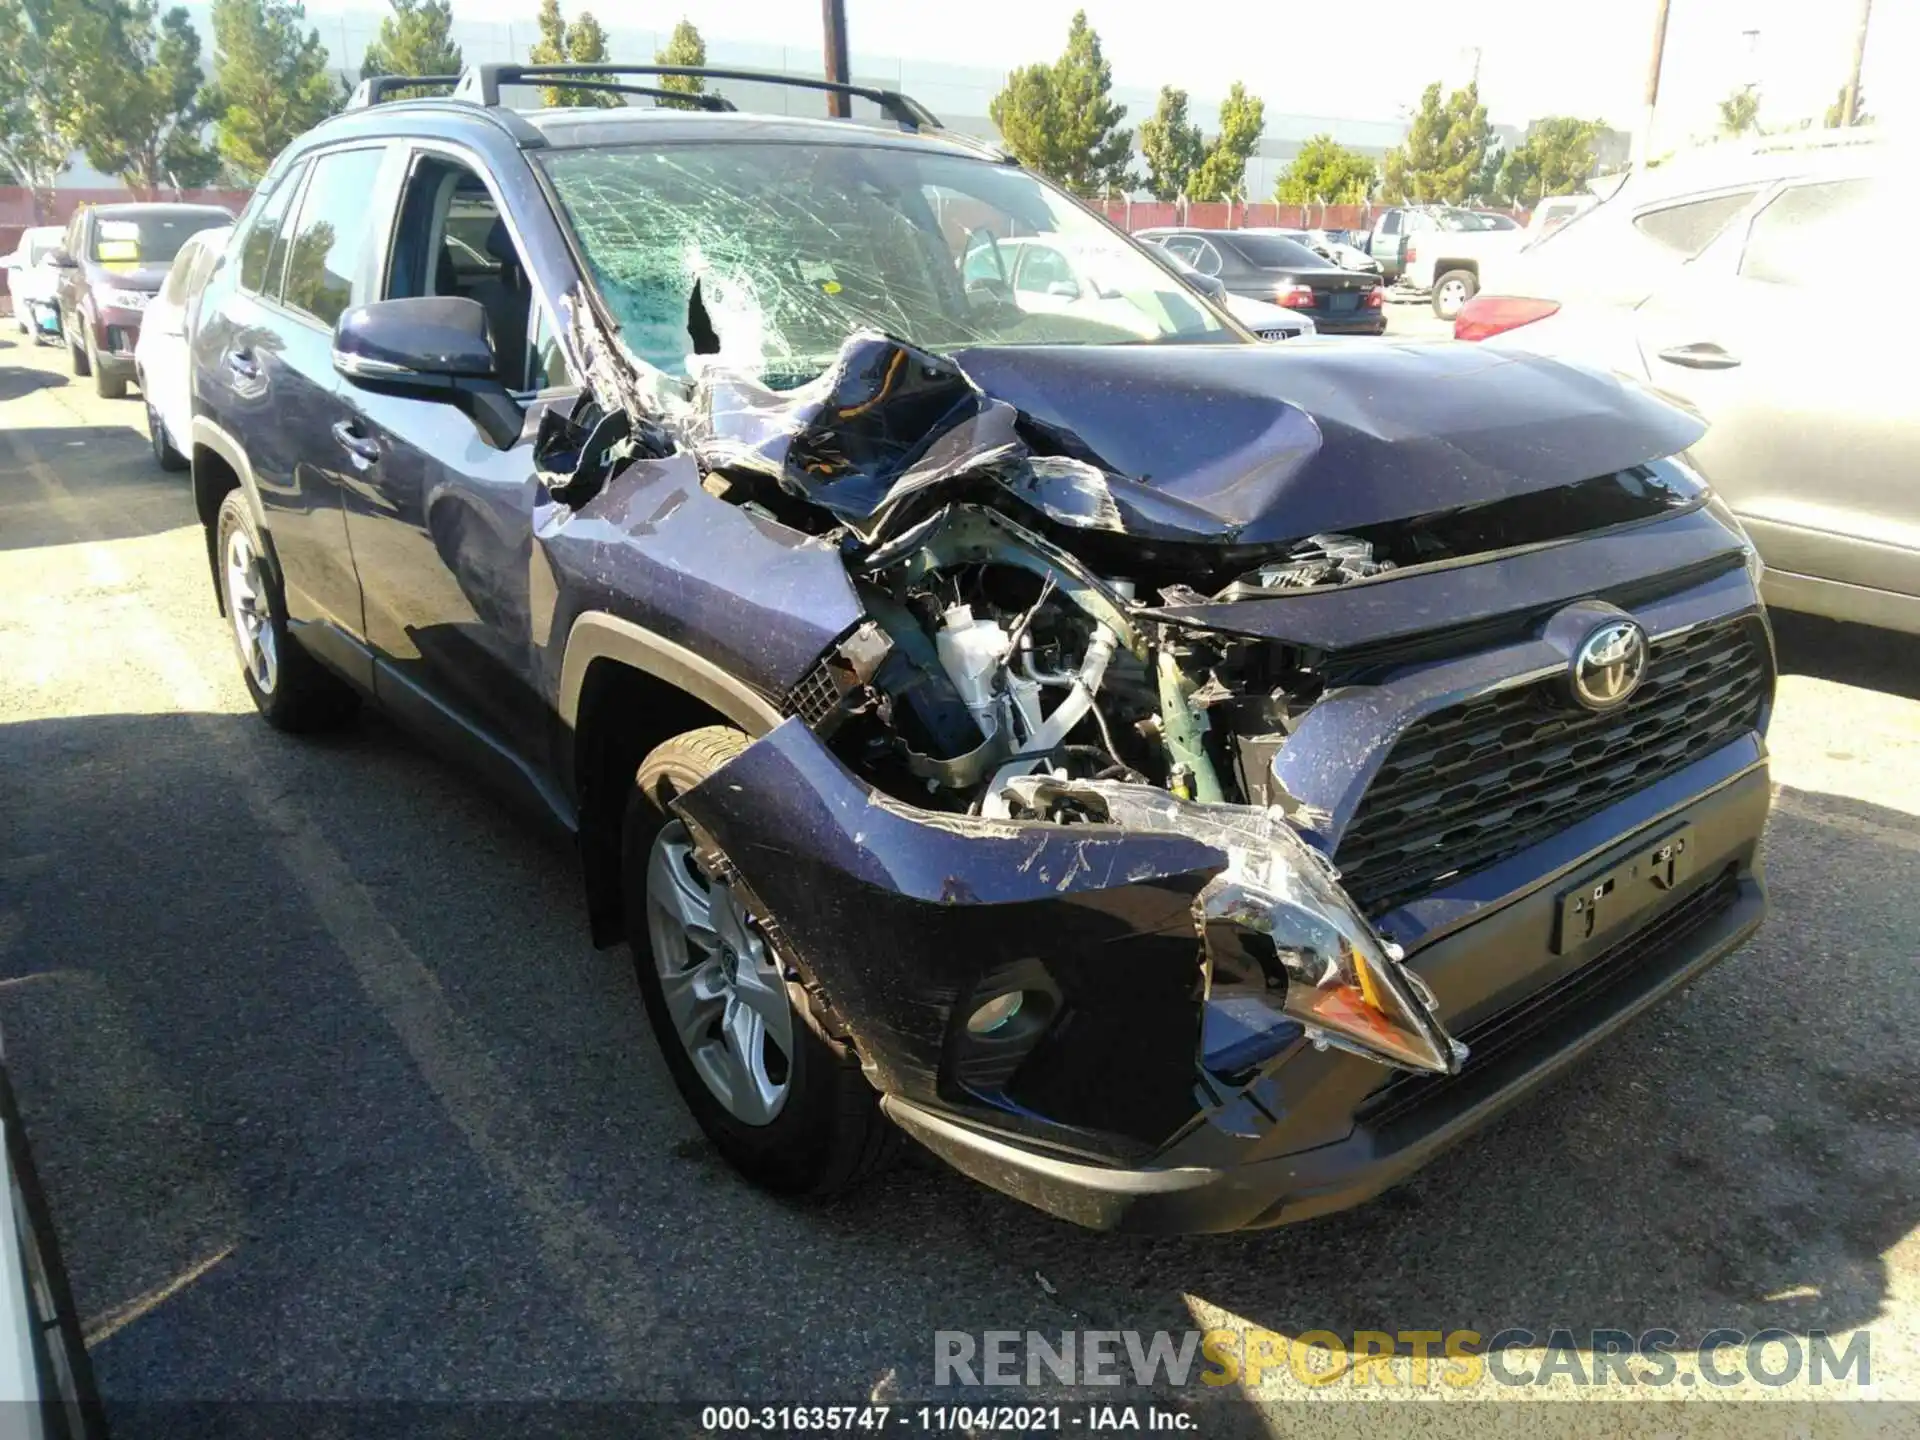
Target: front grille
(1274,334)
(1468,786)
(1406,1092)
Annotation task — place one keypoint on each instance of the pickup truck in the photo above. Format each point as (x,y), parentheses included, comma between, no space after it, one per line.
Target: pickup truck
(1448,252)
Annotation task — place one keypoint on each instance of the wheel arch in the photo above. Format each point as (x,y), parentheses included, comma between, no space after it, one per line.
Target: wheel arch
(219,465)
(623,691)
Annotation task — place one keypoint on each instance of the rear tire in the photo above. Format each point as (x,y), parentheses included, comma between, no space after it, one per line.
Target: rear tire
(291,689)
(1452,291)
(825,1131)
(163,451)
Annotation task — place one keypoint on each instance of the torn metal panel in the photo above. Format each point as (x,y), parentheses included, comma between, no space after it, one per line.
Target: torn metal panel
(1123,929)
(899,914)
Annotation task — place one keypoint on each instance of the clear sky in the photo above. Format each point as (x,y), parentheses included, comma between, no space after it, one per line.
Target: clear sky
(1369,59)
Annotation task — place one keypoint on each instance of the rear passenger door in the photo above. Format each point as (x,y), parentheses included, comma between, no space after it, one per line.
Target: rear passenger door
(1771,335)
(441,521)
(321,262)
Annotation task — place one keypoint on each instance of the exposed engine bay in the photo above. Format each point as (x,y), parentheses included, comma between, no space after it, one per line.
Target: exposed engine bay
(1030,652)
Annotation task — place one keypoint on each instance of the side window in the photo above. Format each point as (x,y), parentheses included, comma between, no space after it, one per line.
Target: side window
(1184,246)
(1804,230)
(452,240)
(1390,223)
(256,250)
(1688,228)
(1041,268)
(1207,259)
(324,258)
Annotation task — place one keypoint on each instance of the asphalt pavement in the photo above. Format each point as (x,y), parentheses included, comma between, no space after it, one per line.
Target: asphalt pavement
(334,1100)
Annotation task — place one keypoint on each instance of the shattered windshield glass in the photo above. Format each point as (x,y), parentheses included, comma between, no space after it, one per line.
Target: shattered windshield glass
(768,257)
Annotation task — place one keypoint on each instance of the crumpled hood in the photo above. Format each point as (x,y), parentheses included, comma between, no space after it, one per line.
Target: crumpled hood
(1265,443)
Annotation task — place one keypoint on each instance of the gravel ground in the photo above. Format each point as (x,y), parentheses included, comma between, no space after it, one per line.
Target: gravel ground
(334,1100)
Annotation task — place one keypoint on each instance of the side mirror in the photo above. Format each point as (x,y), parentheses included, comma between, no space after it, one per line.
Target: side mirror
(60,259)
(1064,290)
(433,347)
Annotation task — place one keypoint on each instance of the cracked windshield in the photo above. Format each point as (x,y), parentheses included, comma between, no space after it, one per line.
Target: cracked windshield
(768,256)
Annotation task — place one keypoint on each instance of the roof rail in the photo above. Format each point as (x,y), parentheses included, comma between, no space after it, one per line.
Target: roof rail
(481,84)
(373,89)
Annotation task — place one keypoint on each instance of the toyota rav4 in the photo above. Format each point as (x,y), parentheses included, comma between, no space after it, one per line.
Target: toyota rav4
(1183,782)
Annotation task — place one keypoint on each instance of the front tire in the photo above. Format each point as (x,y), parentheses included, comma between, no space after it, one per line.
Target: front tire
(1452,291)
(289,687)
(107,387)
(785,1106)
(77,356)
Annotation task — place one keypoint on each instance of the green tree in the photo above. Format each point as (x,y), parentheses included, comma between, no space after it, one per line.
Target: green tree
(270,82)
(1441,157)
(1171,144)
(684,47)
(1223,174)
(1325,172)
(582,41)
(1740,112)
(1556,159)
(136,107)
(1059,119)
(38,51)
(416,39)
(1860,115)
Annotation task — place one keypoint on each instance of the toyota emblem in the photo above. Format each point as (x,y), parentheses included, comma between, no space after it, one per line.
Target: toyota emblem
(1609,665)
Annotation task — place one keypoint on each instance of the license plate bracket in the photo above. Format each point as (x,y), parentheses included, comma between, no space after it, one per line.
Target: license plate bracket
(1611,899)
(1345,301)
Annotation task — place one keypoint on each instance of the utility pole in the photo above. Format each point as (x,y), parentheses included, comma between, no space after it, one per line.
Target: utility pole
(833,14)
(1643,134)
(1850,102)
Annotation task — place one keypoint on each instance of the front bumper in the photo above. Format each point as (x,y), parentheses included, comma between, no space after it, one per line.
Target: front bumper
(904,920)
(115,334)
(1213,1179)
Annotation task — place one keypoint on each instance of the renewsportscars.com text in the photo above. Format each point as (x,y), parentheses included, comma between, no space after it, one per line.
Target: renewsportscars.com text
(1460,1359)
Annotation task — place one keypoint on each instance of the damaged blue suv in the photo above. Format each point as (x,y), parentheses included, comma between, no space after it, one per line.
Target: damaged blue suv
(1185,783)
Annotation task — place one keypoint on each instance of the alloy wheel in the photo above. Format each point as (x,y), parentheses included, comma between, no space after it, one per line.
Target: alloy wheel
(1452,296)
(246,585)
(723,986)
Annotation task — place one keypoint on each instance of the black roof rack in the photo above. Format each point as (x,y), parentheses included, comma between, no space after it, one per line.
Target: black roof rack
(481,84)
(374,89)
(611,87)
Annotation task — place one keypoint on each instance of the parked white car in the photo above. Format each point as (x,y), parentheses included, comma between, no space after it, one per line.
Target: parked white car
(32,282)
(1718,278)
(160,354)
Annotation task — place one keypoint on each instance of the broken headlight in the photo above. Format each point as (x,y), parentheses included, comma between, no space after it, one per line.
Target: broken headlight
(1276,924)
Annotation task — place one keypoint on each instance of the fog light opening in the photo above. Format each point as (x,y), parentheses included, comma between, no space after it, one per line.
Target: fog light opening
(996,1013)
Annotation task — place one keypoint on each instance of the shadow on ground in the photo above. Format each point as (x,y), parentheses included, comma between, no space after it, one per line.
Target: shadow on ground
(125,494)
(1849,654)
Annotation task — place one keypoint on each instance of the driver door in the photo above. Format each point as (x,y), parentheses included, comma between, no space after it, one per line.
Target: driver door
(441,521)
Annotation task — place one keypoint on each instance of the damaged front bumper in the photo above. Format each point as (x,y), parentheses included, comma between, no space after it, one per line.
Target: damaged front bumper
(1156,1073)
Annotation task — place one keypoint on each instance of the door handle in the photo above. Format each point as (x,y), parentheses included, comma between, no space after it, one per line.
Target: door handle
(360,449)
(240,362)
(1702,355)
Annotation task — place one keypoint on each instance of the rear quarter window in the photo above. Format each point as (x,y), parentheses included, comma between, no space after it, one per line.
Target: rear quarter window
(1689,227)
